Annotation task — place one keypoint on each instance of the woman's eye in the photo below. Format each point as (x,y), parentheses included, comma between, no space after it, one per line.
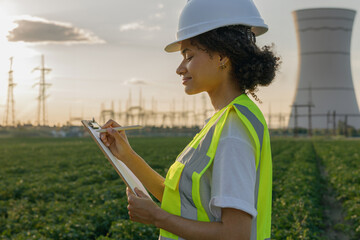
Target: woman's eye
(189,58)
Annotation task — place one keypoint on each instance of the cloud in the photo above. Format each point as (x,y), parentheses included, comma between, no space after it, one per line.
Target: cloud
(138,26)
(135,81)
(38,30)
(159,15)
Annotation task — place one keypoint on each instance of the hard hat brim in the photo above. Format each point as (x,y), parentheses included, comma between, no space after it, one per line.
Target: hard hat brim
(176,46)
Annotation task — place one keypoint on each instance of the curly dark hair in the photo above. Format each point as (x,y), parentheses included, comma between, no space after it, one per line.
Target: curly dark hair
(250,65)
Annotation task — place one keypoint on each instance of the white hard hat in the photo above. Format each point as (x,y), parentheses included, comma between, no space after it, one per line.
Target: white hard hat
(200,16)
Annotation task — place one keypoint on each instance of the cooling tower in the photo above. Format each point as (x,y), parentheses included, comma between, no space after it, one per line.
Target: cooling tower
(324,73)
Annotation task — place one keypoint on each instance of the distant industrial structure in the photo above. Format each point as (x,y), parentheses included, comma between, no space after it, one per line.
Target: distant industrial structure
(325,95)
(75,120)
(10,102)
(10,119)
(42,111)
(137,113)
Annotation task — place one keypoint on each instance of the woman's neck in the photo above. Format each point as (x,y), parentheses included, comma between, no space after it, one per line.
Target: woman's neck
(221,97)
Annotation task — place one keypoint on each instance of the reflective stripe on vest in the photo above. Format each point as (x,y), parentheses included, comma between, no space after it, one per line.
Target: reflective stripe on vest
(259,128)
(182,185)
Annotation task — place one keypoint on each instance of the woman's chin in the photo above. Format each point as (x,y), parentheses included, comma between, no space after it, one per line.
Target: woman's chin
(191,91)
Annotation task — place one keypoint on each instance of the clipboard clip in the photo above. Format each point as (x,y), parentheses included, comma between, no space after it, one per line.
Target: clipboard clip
(94,125)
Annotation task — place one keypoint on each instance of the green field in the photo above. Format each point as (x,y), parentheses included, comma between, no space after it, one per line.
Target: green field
(66,189)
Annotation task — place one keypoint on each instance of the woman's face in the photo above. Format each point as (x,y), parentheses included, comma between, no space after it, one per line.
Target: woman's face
(199,71)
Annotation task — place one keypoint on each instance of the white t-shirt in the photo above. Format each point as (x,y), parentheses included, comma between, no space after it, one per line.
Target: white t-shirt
(233,172)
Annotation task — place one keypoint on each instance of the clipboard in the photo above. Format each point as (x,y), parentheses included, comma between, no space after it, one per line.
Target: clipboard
(124,172)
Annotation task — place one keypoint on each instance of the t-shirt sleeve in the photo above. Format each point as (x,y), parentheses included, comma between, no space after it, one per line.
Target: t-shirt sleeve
(234,171)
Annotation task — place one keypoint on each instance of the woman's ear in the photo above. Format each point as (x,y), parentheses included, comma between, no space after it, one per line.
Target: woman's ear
(223,61)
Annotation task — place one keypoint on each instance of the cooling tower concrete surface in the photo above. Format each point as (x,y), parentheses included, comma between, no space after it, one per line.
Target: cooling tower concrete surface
(324,74)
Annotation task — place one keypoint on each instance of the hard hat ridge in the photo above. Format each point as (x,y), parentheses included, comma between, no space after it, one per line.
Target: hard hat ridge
(200,16)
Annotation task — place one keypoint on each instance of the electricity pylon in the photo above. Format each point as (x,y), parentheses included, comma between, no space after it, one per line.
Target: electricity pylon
(42,89)
(10,103)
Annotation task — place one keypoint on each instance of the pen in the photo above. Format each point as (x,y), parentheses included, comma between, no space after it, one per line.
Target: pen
(122,128)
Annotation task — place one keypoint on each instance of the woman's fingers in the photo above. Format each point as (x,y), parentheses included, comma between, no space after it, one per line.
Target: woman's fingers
(115,134)
(107,139)
(119,138)
(129,192)
(140,193)
(139,207)
(137,191)
(105,136)
(116,141)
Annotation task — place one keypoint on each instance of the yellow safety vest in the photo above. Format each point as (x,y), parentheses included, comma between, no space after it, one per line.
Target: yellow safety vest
(182,184)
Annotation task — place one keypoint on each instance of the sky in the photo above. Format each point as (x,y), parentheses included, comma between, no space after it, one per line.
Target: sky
(102,51)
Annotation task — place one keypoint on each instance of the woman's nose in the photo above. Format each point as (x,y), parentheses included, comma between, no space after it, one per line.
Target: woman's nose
(181,70)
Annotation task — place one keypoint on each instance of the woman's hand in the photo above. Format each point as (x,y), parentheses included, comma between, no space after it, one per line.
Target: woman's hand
(142,209)
(234,224)
(116,141)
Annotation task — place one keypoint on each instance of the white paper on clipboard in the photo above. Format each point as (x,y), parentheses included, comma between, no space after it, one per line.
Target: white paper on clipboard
(125,173)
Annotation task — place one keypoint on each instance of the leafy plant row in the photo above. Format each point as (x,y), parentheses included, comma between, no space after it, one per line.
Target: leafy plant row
(66,189)
(297,188)
(342,164)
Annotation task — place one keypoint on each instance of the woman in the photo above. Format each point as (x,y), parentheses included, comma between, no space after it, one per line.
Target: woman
(220,185)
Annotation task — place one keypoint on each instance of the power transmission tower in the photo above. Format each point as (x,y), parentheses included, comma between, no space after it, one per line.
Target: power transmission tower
(10,103)
(42,92)
(105,114)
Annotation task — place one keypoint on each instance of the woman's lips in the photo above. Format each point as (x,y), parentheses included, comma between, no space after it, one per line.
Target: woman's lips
(185,79)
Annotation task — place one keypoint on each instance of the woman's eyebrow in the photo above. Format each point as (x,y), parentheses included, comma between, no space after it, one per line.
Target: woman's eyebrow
(185,50)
